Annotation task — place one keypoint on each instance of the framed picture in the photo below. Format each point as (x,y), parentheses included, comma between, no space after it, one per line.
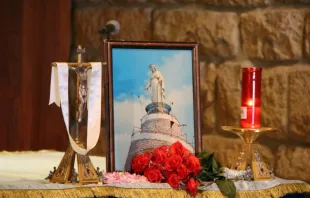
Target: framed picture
(153,93)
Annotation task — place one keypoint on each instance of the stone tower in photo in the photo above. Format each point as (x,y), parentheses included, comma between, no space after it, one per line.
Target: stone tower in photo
(158,126)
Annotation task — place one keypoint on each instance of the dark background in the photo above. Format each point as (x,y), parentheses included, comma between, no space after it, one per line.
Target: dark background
(34,33)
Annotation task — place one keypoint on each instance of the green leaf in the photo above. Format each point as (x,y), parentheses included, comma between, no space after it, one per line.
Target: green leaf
(214,164)
(212,170)
(227,187)
(203,154)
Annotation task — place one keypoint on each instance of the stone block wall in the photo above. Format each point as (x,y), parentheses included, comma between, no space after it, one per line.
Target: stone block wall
(273,34)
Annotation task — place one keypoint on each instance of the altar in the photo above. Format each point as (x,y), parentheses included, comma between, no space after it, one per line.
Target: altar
(22,174)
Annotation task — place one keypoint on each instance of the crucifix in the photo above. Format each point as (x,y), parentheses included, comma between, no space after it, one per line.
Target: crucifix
(81,72)
(65,173)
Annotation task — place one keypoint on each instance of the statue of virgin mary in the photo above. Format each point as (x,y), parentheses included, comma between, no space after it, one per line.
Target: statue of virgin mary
(157,85)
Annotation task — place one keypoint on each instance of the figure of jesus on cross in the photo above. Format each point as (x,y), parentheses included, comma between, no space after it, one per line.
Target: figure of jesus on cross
(81,72)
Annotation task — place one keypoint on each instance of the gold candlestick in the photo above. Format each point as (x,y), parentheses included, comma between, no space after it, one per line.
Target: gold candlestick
(250,154)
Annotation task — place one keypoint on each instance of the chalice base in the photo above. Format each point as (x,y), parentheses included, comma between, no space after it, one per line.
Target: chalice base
(259,167)
(250,156)
(65,171)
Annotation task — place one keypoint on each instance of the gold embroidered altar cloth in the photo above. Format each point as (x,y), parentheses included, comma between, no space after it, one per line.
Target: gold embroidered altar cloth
(22,175)
(102,191)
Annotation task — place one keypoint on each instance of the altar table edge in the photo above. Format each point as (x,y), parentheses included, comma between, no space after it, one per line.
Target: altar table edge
(103,191)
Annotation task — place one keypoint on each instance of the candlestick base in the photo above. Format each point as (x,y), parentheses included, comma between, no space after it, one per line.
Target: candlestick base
(249,154)
(66,173)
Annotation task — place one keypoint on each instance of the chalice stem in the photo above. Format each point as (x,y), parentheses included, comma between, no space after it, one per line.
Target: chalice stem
(249,155)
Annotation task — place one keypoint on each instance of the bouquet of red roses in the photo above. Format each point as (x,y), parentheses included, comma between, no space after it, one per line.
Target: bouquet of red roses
(175,165)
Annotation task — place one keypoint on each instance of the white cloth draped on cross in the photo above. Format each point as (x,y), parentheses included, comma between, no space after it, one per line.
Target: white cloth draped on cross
(60,96)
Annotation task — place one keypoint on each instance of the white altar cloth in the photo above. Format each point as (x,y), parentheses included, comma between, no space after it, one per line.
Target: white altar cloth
(27,170)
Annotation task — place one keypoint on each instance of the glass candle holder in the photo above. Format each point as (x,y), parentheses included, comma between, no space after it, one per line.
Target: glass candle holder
(251,98)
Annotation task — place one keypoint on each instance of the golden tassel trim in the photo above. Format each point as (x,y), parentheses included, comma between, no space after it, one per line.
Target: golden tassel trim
(102,191)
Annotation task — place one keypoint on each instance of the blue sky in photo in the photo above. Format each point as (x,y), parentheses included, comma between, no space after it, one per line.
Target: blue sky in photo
(130,72)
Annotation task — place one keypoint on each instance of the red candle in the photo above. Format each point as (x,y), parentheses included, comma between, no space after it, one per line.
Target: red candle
(251,97)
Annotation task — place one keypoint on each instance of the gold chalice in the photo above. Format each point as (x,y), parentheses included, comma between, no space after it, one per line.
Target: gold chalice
(250,154)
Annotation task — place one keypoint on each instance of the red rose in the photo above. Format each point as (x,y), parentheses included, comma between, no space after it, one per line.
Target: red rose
(168,173)
(176,148)
(173,162)
(193,164)
(159,155)
(182,171)
(186,153)
(140,162)
(156,166)
(174,180)
(191,186)
(153,175)
(163,148)
(185,179)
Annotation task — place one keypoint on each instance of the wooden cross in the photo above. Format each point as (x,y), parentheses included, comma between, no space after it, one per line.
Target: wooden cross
(79,52)
(79,63)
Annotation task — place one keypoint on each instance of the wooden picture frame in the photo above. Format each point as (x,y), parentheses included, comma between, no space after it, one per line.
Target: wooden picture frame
(174,76)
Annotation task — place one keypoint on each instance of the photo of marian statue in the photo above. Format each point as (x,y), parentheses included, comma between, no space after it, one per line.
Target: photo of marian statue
(153,101)
(157,86)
